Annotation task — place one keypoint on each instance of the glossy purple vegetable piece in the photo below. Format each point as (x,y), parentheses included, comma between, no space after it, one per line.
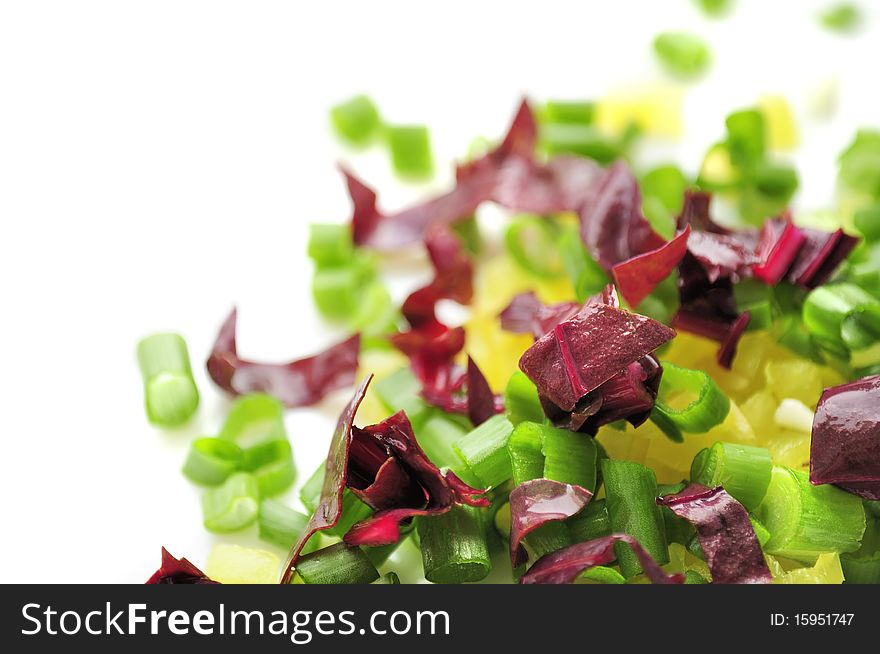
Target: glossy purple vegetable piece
(329,508)
(638,276)
(535,503)
(566,565)
(526,314)
(613,227)
(777,249)
(729,343)
(296,383)
(582,353)
(845,446)
(391,473)
(819,256)
(725,533)
(178,571)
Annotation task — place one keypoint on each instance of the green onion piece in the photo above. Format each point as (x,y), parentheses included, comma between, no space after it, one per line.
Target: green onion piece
(693,577)
(254,419)
(872,508)
(682,54)
(521,400)
(863,565)
(746,137)
(484,451)
(583,140)
(310,493)
(375,314)
(592,522)
(547,538)
(280,525)
(353,509)
(330,244)
(337,564)
(825,309)
(454,548)
(663,190)
(170,394)
(525,451)
(714,8)
(569,112)
(743,471)
(356,120)
(860,164)
(531,241)
(585,273)
(337,290)
(806,520)
(211,460)
(690,400)
(271,463)
(410,147)
(438,435)
(601,575)
(841,17)
(501,520)
(761,532)
(388,578)
(631,494)
(776,180)
(233,505)
(678,530)
(468,232)
(402,391)
(569,457)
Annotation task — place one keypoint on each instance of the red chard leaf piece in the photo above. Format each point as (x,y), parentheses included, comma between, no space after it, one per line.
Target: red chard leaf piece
(727,351)
(566,565)
(297,383)
(526,314)
(178,571)
(329,508)
(638,276)
(722,255)
(725,534)
(845,445)
(777,250)
(562,184)
(695,212)
(535,503)
(819,256)
(482,403)
(613,227)
(582,353)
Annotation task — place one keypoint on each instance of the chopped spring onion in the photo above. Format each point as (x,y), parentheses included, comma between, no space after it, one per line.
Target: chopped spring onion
(410,147)
(233,505)
(743,471)
(356,120)
(524,448)
(631,491)
(388,578)
(573,112)
(454,548)
(841,17)
(353,509)
(337,290)
(330,244)
(592,522)
(682,54)
(867,221)
(776,180)
(253,419)
(761,532)
(714,9)
(688,401)
(521,400)
(547,538)
(170,394)
(693,577)
(280,525)
(806,520)
(211,460)
(569,457)
(337,564)
(234,564)
(583,270)
(829,308)
(402,391)
(484,451)
(863,565)
(271,463)
(438,436)
(601,575)
(583,140)
(746,137)
(662,189)
(860,164)
(531,241)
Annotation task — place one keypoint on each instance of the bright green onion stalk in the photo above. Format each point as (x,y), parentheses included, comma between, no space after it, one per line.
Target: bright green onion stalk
(233,505)
(521,400)
(330,244)
(353,509)
(402,391)
(531,241)
(271,463)
(586,275)
(337,564)
(454,548)
(689,401)
(569,457)
(170,394)
(592,522)
(410,147)
(806,520)
(743,471)
(682,54)
(583,140)
(631,493)
(568,112)
(524,450)
(356,120)
(280,525)
(211,460)
(254,418)
(484,451)
(601,575)
(438,435)
(388,578)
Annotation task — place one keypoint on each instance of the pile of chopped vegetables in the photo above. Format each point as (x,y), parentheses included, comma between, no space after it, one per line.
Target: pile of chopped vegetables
(642,391)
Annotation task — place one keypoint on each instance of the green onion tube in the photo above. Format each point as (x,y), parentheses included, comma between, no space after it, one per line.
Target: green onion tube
(388,578)
(438,435)
(280,525)
(337,290)
(337,564)
(592,522)
(631,493)
(682,54)
(330,244)
(521,400)
(569,457)
(272,465)
(601,575)
(704,404)
(454,548)
(402,391)
(693,577)
(410,147)
(524,450)
(170,394)
(531,241)
(827,307)
(353,509)
(568,112)
(743,470)
(586,275)
(584,140)
(863,565)
(254,418)
(211,460)
(806,520)
(356,120)
(484,450)
(867,221)
(233,505)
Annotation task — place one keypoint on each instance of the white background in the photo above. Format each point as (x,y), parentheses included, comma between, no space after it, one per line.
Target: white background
(159,162)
